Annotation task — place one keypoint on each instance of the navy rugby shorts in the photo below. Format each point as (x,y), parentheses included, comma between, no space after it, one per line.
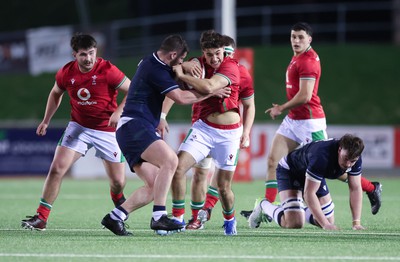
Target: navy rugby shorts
(134,137)
(287,181)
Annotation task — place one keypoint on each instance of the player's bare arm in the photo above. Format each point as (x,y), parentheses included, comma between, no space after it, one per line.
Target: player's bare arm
(53,102)
(312,201)
(204,86)
(187,97)
(356,192)
(249,111)
(303,96)
(114,118)
(163,127)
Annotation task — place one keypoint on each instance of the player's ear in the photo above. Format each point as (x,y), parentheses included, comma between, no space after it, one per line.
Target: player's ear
(173,55)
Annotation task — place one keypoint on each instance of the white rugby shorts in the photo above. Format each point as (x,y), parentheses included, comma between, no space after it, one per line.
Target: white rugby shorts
(81,139)
(303,131)
(221,144)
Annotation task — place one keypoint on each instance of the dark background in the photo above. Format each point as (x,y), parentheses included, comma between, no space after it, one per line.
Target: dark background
(358,85)
(20,14)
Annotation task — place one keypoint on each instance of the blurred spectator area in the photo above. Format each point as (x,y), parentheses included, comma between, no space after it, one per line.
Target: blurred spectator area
(358,22)
(346,22)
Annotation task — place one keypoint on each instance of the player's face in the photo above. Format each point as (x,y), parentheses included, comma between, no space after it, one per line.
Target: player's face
(300,41)
(214,56)
(178,59)
(86,58)
(344,161)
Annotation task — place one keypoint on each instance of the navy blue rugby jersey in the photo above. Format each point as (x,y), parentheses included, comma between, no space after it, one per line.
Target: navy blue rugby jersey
(152,80)
(320,160)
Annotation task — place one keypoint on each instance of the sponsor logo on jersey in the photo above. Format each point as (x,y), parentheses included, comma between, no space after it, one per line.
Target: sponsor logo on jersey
(84,95)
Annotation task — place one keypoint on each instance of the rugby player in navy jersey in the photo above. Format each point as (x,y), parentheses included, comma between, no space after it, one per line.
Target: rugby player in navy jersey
(150,157)
(301,177)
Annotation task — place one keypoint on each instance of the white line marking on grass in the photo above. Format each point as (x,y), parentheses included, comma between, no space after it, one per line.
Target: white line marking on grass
(243,232)
(201,257)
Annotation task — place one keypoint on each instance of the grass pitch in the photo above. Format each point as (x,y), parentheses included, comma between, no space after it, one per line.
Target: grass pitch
(74,232)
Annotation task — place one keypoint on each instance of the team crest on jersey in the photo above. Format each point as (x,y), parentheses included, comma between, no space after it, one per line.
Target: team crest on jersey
(94,80)
(230,156)
(72,81)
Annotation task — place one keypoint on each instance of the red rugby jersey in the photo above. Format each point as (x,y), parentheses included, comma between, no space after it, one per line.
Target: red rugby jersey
(305,66)
(93,95)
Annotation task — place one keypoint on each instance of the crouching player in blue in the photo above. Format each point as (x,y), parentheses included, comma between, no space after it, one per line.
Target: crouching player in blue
(302,173)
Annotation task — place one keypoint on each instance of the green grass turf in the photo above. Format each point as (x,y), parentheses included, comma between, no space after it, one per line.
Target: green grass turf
(74,232)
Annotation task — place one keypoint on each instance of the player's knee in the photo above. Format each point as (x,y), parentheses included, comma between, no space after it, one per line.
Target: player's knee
(180,171)
(170,163)
(294,213)
(296,225)
(293,220)
(118,184)
(272,162)
(223,190)
(57,169)
(198,179)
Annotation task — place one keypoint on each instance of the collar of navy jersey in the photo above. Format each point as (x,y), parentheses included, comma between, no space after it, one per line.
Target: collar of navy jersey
(158,59)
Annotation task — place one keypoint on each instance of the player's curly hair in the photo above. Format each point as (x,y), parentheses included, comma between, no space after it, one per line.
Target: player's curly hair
(353,144)
(82,41)
(211,39)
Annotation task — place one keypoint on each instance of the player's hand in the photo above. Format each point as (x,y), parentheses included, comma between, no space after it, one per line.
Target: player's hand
(244,141)
(193,68)
(113,121)
(274,111)
(223,92)
(42,129)
(358,227)
(330,227)
(178,70)
(163,128)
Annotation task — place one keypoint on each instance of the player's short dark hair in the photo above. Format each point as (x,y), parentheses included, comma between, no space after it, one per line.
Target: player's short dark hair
(174,43)
(303,26)
(82,41)
(353,144)
(229,41)
(211,39)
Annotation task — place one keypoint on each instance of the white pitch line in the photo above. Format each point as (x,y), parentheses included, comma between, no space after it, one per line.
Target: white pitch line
(246,231)
(225,257)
